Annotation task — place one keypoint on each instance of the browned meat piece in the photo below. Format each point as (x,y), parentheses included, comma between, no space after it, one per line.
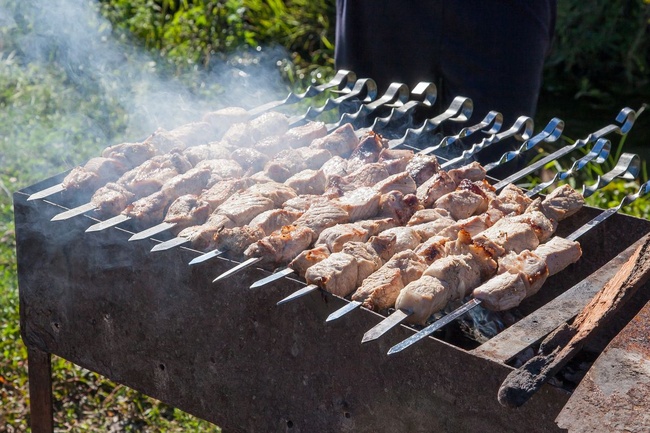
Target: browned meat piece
(300,136)
(130,154)
(164,142)
(284,165)
(149,177)
(472,172)
(406,238)
(395,160)
(234,241)
(423,297)
(432,249)
(314,158)
(202,236)
(367,151)
(422,168)
(502,292)
(558,253)
(276,192)
(342,141)
(343,271)
(111,199)
(530,265)
(219,192)
(434,188)
(377,225)
(402,182)
(322,215)
(510,236)
(380,289)
(511,200)
(303,202)
(148,210)
(281,246)
(309,258)
(482,188)
(268,124)
(472,225)
(398,206)
(203,152)
(194,133)
(242,207)
(272,220)
(222,119)
(360,204)
(222,168)
(95,173)
(193,181)
(459,272)
(366,175)
(308,182)
(432,228)
(249,159)
(187,210)
(151,209)
(270,146)
(541,225)
(461,203)
(335,237)
(563,202)
(335,166)
(427,215)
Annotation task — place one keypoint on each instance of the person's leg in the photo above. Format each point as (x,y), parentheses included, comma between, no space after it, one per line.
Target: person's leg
(388,40)
(493,52)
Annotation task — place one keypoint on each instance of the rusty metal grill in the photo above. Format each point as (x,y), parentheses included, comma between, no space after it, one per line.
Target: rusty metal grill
(228,354)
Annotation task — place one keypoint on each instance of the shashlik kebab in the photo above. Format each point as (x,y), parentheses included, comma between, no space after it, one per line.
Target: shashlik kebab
(522,275)
(569,200)
(442,183)
(162,198)
(334,163)
(256,254)
(380,291)
(627,167)
(118,159)
(242,133)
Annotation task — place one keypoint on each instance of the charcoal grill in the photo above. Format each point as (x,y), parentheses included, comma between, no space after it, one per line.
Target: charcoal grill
(229,355)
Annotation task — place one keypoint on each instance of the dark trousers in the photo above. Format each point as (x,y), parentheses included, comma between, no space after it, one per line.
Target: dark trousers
(491,51)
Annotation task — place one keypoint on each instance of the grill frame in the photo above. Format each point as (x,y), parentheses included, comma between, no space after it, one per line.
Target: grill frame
(152,323)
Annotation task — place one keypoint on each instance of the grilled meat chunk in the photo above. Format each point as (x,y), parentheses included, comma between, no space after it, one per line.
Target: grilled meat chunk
(149,177)
(283,245)
(95,173)
(277,192)
(472,172)
(249,159)
(308,258)
(402,182)
(187,210)
(221,191)
(361,203)
(308,182)
(461,203)
(380,289)
(303,135)
(335,237)
(342,141)
(242,207)
(435,187)
(322,215)
(395,160)
(421,167)
(558,253)
(112,198)
(562,202)
(398,206)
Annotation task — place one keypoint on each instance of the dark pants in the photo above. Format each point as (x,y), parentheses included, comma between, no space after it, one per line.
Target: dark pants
(491,51)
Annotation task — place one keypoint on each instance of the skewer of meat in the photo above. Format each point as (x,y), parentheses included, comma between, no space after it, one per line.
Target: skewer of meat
(380,287)
(118,159)
(523,274)
(492,241)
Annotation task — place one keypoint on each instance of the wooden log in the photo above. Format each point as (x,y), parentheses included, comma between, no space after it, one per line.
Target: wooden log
(567,340)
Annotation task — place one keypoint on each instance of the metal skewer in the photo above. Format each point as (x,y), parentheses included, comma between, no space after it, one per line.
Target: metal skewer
(598,155)
(343,79)
(644,189)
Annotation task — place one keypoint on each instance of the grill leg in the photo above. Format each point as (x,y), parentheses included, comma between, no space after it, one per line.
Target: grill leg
(40,390)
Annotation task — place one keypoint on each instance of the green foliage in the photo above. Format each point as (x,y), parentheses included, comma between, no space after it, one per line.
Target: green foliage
(601,48)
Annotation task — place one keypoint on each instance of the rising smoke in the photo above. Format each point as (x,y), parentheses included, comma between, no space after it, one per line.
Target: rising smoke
(71,38)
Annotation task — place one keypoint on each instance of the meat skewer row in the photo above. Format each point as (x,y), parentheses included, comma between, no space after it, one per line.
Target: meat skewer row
(562,202)
(524,274)
(389,157)
(221,164)
(412,306)
(443,183)
(313,181)
(380,289)
(158,203)
(380,292)
(239,134)
(118,159)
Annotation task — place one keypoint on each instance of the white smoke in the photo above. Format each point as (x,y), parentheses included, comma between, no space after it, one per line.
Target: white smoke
(72,36)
